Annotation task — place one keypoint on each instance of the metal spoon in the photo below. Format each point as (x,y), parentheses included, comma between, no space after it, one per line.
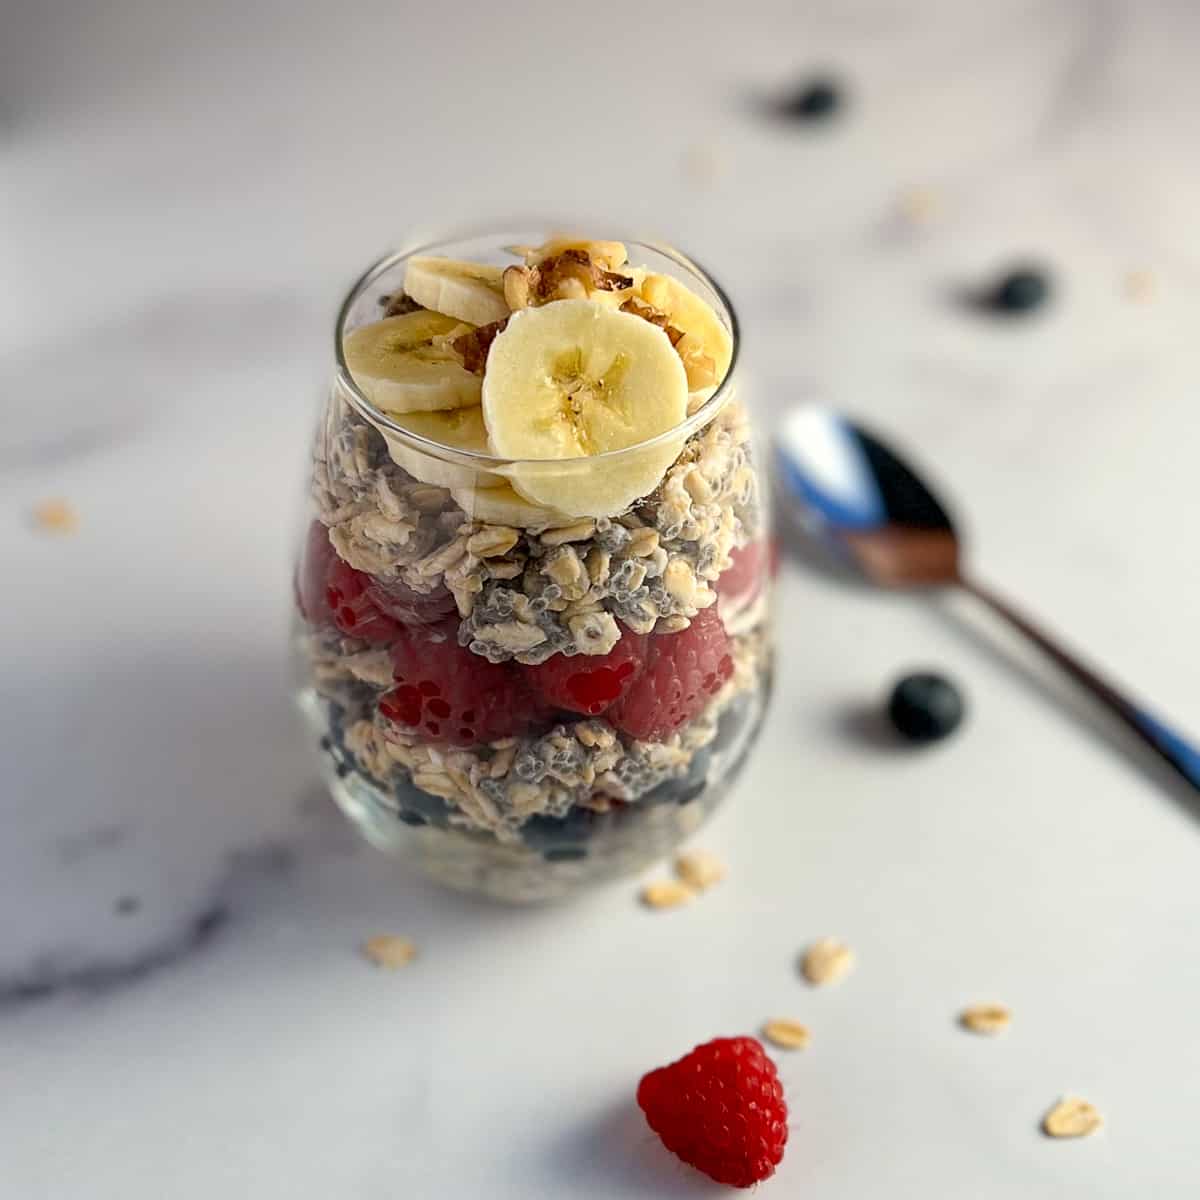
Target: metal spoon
(852,492)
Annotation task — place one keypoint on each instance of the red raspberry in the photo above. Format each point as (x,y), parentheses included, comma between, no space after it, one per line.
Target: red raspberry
(721,1109)
(348,594)
(746,572)
(445,691)
(311,573)
(587,683)
(683,672)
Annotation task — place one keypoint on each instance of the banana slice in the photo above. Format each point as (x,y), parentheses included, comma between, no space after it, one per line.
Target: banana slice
(407,364)
(503,506)
(574,379)
(469,291)
(706,347)
(462,429)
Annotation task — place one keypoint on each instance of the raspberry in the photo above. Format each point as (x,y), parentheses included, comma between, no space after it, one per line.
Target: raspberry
(348,594)
(683,672)
(721,1109)
(446,692)
(586,683)
(744,575)
(311,573)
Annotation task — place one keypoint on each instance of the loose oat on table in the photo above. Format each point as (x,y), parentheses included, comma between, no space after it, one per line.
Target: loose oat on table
(787,1034)
(387,950)
(666,893)
(985,1018)
(699,869)
(826,961)
(55,516)
(1072,1117)
(1139,285)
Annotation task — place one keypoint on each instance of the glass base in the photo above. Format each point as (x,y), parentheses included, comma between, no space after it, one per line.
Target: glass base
(555,857)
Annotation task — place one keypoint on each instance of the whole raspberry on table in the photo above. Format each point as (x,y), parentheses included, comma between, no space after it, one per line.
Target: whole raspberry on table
(446,692)
(721,1109)
(682,674)
(589,683)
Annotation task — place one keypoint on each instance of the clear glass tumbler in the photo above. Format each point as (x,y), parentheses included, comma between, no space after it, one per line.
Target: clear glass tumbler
(441,616)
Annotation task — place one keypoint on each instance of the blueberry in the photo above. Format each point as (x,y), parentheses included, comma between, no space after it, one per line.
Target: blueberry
(732,723)
(564,853)
(815,100)
(686,788)
(1020,291)
(417,807)
(925,707)
(554,834)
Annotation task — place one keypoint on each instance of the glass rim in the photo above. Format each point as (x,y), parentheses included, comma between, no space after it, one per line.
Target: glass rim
(492,463)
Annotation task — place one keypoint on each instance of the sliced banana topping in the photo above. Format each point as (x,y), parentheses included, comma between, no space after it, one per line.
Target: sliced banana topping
(460,429)
(575,379)
(408,363)
(469,291)
(706,345)
(503,506)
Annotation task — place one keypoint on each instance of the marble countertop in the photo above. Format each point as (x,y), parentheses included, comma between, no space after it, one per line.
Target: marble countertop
(186,191)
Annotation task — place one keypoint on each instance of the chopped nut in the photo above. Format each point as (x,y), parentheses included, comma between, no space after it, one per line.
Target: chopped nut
(492,541)
(985,1018)
(573,274)
(787,1034)
(398,304)
(55,516)
(655,316)
(580,531)
(474,346)
(1071,1118)
(516,287)
(666,893)
(699,869)
(389,951)
(826,961)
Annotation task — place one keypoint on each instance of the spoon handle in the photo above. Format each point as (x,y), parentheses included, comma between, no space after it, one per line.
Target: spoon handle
(1168,745)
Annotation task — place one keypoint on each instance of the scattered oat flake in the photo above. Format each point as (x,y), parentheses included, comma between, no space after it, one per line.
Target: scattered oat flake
(920,205)
(1140,285)
(666,893)
(55,516)
(1072,1118)
(826,961)
(787,1034)
(699,869)
(389,951)
(985,1018)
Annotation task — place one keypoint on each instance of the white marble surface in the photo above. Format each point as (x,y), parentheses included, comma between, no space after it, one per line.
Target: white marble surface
(184,192)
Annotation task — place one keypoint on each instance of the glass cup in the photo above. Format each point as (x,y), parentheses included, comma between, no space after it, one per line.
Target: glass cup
(423,560)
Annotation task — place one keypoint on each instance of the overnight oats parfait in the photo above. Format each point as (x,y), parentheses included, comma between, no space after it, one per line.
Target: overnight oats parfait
(532,598)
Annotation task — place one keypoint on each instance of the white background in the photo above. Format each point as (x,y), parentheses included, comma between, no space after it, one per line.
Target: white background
(184,191)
